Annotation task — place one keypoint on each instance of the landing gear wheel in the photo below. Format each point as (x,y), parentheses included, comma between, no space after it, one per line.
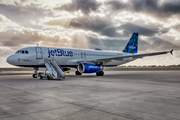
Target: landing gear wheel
(48,77)
(35,72)
(34,76)
(40,77)
(100,73)
(78,73)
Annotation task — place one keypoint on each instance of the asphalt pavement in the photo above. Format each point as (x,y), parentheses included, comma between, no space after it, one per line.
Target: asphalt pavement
(119,95)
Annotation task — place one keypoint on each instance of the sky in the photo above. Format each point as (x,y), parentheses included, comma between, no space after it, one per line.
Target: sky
(90,24)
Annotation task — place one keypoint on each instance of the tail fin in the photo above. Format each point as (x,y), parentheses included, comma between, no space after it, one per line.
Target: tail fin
(132,45)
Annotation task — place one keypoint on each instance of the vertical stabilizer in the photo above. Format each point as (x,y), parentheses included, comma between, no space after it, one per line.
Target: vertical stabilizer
(132,45)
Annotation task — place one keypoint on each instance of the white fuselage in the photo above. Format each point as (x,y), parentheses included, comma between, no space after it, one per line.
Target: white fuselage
(30,56)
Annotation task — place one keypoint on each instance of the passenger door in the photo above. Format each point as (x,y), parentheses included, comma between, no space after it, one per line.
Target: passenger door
(39,53)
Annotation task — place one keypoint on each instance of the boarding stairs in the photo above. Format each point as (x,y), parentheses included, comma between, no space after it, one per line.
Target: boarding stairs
(55,70)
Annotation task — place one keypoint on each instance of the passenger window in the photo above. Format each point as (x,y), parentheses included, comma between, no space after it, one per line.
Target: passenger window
(22,52)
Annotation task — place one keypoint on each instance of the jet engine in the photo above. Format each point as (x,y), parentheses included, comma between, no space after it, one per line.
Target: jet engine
(89,67)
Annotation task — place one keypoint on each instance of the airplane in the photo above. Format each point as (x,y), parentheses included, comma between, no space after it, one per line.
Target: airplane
(58,60)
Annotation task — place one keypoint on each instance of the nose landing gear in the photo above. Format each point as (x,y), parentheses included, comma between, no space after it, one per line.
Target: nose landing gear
(35,74)
(41,75)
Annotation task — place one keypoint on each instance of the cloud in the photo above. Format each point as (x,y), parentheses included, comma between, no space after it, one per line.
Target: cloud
(146,30)
(171,7)
(61,21)
(106,24)
(23,37)
(117,5)
(6,51)
(107,43)
(23,15)
(160,44)
(86,6)
(27,37)
(6,23)
(110,31)
(177,27)
(156,8)
(153,7)
(101,25)
(147,5)
(90,23)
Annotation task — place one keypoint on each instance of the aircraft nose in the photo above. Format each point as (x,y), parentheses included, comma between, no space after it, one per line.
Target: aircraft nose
(10,59)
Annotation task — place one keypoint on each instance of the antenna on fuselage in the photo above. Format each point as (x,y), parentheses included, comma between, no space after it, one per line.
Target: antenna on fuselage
(39,43)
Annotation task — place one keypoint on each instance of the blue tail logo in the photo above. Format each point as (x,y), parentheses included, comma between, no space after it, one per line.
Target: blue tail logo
(132,45)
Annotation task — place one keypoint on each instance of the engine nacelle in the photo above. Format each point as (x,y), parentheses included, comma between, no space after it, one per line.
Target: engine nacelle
(89,68)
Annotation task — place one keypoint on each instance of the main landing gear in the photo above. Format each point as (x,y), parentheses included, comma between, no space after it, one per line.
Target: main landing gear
(78,73)
(100,73)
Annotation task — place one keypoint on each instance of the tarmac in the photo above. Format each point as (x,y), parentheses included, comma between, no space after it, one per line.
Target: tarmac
(119,95)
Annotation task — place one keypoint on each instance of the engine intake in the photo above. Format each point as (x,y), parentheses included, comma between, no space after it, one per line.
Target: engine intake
(89,68)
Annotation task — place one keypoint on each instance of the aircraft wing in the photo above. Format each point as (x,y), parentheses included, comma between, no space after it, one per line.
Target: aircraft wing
(128,57)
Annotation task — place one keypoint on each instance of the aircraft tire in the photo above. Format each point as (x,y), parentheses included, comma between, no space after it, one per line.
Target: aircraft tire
(48,77)
(34,76)
(78,73)
(40,76)
(100,73)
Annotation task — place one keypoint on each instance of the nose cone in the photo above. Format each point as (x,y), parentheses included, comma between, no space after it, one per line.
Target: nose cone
(10,60)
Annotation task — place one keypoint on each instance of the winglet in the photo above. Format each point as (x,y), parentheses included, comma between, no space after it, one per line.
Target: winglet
(171,51)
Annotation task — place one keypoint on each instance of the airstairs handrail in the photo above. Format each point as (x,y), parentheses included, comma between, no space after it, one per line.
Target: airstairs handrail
(60,70)
(55,70)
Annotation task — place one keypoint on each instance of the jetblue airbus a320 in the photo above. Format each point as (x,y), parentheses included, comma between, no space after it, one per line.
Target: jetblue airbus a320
(59,60)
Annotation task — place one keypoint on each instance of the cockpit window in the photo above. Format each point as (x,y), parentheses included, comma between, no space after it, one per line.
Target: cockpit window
(26,52)
(17,52)
(22,52)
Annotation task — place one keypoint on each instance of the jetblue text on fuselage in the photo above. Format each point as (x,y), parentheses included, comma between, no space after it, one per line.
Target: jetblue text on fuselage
(59,52)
